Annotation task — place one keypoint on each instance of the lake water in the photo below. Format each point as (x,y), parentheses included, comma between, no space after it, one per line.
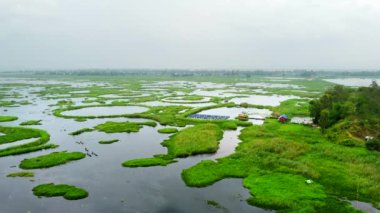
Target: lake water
(104,111)
(256,115)
(265,100)
(353,82)
(111,187)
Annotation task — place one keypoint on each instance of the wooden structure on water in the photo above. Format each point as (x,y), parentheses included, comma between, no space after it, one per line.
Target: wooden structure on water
(209,117)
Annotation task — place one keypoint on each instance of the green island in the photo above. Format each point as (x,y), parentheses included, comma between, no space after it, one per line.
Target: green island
(8,118)
(13,134)
(109,141)
(21,174)
(31,122)
(117,127)
(157,160)
(80,131)
(50,160)
(182,144)
(57,190)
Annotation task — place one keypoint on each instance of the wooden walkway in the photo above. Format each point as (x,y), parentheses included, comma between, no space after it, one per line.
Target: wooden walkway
(209,117)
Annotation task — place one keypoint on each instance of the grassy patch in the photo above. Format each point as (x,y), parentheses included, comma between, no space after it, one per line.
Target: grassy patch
(21,174)
(202,138)
(31,122)
(165,115)
(292,107)
(50,160)
(13,134)
(273,191)
(108,141)
(275,160)
(168,130)
(66,191)
(157,160)
(115,127)
(8,118)
(80,131)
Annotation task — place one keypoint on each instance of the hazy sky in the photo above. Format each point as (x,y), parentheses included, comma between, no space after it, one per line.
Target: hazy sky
(212,34)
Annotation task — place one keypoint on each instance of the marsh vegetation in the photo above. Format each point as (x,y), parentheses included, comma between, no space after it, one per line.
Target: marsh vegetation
(148,122)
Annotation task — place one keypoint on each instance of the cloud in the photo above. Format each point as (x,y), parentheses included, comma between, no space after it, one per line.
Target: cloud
(242,34)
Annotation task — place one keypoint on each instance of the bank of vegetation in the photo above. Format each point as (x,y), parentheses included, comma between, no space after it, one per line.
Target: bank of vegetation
(13,134)
(350,116)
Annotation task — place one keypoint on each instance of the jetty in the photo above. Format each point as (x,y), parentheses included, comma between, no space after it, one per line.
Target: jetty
(209,117)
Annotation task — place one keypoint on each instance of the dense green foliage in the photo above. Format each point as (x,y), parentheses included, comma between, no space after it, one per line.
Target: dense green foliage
(115,127)
(8,118)
(67,191)
(21,174)
(275,160)
(348,115)
(50,160)
(202,138)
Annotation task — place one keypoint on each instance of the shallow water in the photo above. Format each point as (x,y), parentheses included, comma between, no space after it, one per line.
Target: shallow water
(366,207)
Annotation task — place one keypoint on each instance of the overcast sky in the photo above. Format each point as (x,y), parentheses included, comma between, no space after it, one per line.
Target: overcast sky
(195,34)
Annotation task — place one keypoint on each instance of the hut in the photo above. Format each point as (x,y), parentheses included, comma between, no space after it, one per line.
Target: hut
(243,116)
(282,118)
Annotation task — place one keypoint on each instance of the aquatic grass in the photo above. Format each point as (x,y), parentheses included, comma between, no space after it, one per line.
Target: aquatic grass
(157,160)
(214,204)
(272,190)
(117,127)
(31,122)
(21,174)
(292,107)
(108,141)
(8,118)
(168,130)
(80,131)
(13,134)
(50,160)
(200,139)
(66,191)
